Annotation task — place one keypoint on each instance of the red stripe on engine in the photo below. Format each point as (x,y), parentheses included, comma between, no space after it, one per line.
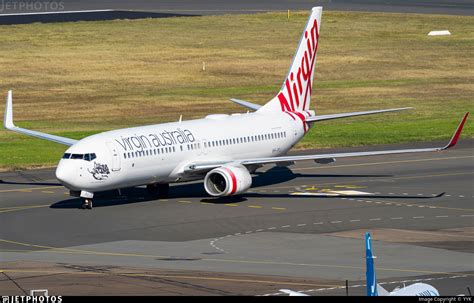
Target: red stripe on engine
(234,180)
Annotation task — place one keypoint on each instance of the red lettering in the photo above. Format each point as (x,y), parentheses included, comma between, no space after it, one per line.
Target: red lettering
(295,92)
(283,102)
(298,77)
(305,66)
(288,89)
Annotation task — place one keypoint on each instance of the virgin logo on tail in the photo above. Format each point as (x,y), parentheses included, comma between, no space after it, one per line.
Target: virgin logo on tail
(298,86)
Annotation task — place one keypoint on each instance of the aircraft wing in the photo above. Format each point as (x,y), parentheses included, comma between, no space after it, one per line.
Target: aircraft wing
(321,158)
(353,114)
(8,124)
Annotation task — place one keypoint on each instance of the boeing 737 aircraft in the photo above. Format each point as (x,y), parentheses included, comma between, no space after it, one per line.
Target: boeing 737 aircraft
(221,149)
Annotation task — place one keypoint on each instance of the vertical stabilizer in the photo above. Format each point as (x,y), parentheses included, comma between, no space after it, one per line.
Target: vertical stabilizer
(370,269)
(295,93)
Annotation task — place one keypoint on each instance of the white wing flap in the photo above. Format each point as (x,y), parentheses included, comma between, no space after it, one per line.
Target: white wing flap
(8,124)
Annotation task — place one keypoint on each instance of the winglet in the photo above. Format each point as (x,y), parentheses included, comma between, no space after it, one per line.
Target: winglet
(8,119)
(456,135)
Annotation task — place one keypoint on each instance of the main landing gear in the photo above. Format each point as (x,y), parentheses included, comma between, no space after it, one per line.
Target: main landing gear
(159,190)
(87,204)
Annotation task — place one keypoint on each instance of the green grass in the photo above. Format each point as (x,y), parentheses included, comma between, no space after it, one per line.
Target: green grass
(76,79)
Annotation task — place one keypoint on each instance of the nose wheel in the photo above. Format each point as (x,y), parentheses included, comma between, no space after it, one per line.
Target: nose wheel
(87,204)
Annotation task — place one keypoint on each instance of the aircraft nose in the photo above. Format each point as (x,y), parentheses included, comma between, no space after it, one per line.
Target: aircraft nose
(65,175)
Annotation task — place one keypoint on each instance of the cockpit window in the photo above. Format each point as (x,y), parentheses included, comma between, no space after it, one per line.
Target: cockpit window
(77,156)
(89,157)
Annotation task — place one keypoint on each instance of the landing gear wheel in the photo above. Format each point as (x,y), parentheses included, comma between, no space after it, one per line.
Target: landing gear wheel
(163,190)
(159,190)
(152,189)
(87,204)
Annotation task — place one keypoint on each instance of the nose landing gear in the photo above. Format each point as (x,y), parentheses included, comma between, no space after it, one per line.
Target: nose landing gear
(87,204)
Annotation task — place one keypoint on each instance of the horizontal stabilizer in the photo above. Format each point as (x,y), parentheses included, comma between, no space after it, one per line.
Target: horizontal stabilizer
(246,104)
(354,114)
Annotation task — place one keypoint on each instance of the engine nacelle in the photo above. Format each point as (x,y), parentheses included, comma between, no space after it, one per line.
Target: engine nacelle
(227,181)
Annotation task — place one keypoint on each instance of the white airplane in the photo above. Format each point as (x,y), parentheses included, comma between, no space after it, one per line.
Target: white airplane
(374,289)
(221,149)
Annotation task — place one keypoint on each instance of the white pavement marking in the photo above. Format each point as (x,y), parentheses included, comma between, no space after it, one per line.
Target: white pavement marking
(212,242)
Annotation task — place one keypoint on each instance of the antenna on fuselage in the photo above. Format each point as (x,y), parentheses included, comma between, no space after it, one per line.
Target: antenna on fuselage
(180,118)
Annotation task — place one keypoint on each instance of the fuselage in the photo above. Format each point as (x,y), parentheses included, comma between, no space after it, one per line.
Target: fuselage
(159,153)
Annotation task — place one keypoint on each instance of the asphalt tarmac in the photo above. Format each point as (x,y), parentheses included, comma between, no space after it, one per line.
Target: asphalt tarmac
(302,226)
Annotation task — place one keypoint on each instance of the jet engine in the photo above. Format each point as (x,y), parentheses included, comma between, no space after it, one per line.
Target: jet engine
(227,180)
